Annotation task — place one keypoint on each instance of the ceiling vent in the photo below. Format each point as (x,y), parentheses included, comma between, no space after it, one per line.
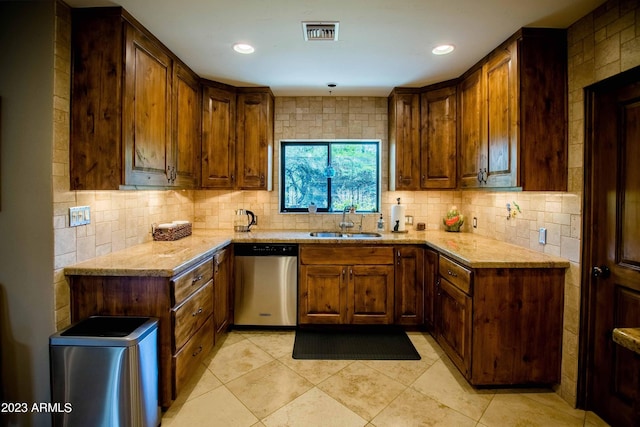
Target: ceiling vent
(326,31)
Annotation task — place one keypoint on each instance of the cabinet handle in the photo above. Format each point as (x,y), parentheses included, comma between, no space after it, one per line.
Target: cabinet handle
(262,179)
(482,176)
(195,353)
(351,273)
(344,273)
(438,287)
(196,279)
(233,177)
(195,313)
(451,273)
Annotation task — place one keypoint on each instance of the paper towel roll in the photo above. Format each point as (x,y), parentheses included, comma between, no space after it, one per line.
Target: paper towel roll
(397,214)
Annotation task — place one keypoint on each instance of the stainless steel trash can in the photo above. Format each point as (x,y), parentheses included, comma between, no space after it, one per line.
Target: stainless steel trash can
(104,372)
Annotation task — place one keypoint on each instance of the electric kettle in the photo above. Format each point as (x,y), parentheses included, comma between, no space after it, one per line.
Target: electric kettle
(243,220)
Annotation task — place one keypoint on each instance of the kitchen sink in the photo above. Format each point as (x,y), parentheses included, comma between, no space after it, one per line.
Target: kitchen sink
(340,234)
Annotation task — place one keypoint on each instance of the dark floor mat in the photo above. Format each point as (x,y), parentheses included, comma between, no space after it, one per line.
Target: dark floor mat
(367,343)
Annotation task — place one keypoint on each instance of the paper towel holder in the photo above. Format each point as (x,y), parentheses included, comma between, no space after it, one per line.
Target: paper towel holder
(395,227)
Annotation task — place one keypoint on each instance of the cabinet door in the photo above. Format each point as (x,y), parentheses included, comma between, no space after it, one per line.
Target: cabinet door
(255,140)
(185,153)
(146,111)
(454,326)
(430,288)
(438,138)
(409,285)
(500,159)
(218,138)
(222,290)
(471,143)
(370,292)
(322,294)
(404,141)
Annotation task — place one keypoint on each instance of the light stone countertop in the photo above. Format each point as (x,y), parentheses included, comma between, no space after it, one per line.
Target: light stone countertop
(166,259)
(628,338)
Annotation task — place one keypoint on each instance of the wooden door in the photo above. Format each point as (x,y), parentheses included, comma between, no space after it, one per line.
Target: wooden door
(438,138)
(185,152)
(146,114)
(454,325)
(611,269)
(255,140)
(471,142)
(370,294)
(322,294)
(500,159)
(409,285)
(404,141)
(430,290)
(218,138)
(222,290)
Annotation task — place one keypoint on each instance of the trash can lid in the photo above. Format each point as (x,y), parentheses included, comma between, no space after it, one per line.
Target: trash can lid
(106,331)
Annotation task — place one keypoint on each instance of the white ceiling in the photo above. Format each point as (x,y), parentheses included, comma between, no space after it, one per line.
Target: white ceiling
(382,43)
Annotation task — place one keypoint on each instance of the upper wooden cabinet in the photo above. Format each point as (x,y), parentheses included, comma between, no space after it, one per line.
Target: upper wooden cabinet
(512,110)
(237,137)
(218,136)
(404,139)
(254,131)
(125,126)
(422,138)
(186,126)
(438,138)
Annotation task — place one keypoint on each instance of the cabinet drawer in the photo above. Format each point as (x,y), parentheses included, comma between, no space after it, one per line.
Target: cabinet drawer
(189,316)
(189,281)
(458,275)
(193,352)
(354,255)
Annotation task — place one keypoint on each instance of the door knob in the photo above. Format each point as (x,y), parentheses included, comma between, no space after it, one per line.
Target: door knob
(602,271)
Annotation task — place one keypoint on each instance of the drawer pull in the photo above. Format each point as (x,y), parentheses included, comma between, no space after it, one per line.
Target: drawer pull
(196,279)
(195,353)
(451,273)
(195,313)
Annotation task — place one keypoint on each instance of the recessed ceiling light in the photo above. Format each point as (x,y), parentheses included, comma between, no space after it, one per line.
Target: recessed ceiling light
(243,48)
(443,49)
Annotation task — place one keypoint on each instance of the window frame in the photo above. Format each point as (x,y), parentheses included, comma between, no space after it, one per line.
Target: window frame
(327,142)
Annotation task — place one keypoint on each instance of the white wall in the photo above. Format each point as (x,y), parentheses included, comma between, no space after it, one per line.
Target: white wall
(26,232)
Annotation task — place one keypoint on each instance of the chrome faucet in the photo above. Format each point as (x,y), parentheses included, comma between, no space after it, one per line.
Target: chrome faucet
(345,224)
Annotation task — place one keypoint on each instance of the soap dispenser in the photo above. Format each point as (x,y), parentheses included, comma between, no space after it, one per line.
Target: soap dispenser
(381,223)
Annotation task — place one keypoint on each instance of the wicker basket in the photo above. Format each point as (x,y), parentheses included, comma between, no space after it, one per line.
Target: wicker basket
(175,232)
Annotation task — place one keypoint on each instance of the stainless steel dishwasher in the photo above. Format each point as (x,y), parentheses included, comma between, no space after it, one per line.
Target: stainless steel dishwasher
(266,284)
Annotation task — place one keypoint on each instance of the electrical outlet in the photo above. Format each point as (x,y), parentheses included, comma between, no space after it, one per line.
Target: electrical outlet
(475,222)
(408,220)
(542,236)
(79,215)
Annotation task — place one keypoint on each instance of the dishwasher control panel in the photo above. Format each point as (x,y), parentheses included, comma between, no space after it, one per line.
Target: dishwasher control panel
(265,249)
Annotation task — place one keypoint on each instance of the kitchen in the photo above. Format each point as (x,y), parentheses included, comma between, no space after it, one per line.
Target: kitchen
(122,219)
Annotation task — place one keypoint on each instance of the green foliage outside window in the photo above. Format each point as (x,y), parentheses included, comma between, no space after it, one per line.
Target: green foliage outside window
(332,175)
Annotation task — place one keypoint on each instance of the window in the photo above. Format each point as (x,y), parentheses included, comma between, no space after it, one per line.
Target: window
(331,174)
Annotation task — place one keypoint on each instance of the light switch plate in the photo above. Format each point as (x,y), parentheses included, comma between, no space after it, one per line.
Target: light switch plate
(79,215)
(542,236)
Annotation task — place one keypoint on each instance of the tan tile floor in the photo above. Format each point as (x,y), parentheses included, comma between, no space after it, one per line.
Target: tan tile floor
(250,379)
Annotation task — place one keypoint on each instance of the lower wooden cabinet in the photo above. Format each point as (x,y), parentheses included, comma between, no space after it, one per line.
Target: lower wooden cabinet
(501,326)
(190,307)
(222,295)
(409,285)
(346,285)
